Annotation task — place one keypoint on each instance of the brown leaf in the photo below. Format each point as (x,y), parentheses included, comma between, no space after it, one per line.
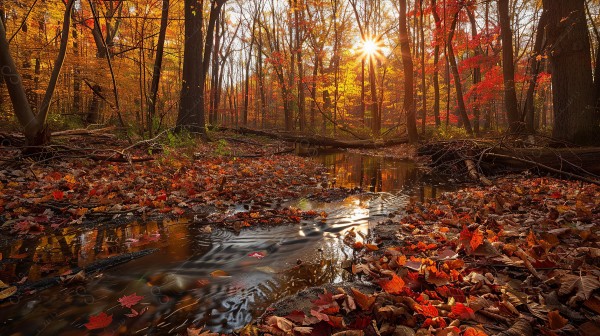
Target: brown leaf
(281,323)
(556,321)
(585,285)
(521,327)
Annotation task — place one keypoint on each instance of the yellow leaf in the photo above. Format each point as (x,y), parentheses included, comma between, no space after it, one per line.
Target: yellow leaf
(10,291)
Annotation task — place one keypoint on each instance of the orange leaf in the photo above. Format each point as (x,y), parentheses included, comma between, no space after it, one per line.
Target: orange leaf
(364,301)
(476,239)
(218,273)
(474,332)
(372,247)
(531,240)
(393,286)
(556,321)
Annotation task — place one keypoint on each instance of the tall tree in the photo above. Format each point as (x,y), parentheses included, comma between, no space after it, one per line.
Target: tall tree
(460,99)
(164,20)
(196,61)
(407,63)
(576,116)
(508,68)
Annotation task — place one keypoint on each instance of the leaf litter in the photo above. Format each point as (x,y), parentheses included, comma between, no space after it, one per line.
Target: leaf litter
(518,258)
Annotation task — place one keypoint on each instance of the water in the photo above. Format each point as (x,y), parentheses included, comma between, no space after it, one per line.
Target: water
(176,284)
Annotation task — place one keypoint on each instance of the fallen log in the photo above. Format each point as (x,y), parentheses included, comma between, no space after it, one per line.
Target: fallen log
(320,141)
(492,158)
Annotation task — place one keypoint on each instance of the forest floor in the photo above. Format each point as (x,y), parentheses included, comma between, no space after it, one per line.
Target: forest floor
(518,258)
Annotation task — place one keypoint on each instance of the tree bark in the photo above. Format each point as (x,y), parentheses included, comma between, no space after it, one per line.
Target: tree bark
(462,109)
(436,62)
(196,61)
(407,63)
(164,21)
(576,118)
(528,116)
(508,68)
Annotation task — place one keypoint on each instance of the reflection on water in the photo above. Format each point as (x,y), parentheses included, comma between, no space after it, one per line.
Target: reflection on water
(380,174)
(176,281)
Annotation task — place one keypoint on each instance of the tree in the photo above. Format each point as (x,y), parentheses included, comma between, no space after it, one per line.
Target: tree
(508,68)
(157,66)
(407,62)
(196,61)
(576,118)
(462,108)
(34,125)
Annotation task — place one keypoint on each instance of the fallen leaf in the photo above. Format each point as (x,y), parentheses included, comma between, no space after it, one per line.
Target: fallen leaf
(393,286)
(364,301)
(218,273)
(99,321)
(130,300)
(281,323)
(556,321)
(10,291)
(257,255)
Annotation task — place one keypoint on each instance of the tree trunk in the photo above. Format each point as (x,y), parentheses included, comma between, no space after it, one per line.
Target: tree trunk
(536,63)
(476,73)
(436,62)
(196,61)
(407,63)
(164,21)
(462,109)
(575,117)
(508,68)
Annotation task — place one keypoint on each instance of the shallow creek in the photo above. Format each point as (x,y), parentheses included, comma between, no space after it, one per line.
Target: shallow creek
(176,283)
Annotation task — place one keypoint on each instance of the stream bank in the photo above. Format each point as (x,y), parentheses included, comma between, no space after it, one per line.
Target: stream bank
(204,275)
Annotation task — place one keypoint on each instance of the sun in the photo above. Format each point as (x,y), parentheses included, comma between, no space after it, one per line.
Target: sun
(370,48)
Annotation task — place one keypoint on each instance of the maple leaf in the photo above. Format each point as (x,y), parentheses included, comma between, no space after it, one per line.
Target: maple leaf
(130,300)
(99,321)
(393,286)
(364,301)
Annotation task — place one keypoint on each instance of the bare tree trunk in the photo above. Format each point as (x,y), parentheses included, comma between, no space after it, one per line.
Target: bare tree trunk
(436,65)
(536,64)
(462,109)
(423,84)
(411,121)
(476,73)
(508,68)
(164,21)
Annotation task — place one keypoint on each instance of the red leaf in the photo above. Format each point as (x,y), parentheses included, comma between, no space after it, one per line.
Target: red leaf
(462,312)
(58,195)
(257,255)
(130,300)
(99,321)
(429,311)
(393,286)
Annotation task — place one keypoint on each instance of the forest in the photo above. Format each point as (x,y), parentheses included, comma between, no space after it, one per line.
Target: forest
(300,167)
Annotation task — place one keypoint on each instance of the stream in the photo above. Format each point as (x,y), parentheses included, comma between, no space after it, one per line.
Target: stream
(260,265)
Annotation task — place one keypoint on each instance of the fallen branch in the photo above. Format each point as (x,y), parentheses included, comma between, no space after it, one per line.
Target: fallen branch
(316,140)
(97,266)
